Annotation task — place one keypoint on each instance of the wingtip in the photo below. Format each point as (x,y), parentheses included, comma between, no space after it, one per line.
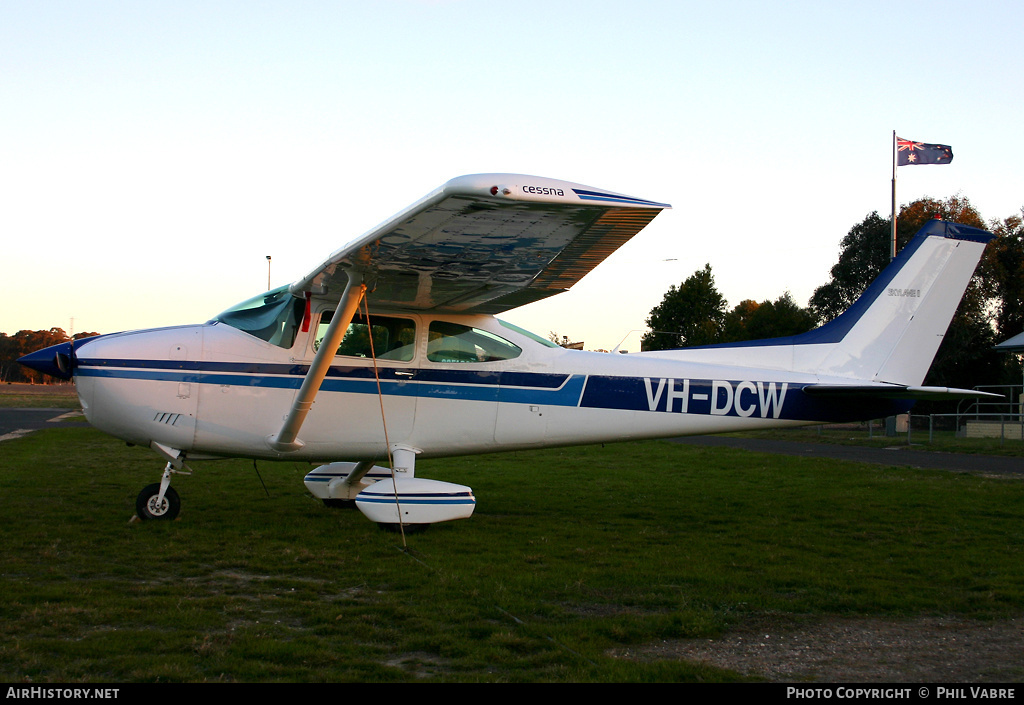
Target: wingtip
(524,187)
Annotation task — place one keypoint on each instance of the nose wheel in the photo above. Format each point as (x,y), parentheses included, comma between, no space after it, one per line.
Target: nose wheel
(151,506)
(159,501)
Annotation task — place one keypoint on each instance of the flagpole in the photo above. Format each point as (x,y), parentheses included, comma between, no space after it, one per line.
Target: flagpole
(892,254)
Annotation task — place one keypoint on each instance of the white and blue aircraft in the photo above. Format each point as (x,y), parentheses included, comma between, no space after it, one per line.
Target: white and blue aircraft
(390,350)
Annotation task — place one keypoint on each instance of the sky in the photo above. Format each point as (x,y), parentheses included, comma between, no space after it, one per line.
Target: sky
(154,153)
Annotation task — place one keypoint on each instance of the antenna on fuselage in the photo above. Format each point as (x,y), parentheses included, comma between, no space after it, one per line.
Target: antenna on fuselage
(635,330)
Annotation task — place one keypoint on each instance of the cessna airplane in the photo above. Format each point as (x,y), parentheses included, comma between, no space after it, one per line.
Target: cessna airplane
(395,339)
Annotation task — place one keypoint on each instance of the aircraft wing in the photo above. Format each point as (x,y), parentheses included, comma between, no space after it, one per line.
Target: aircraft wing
(895,391)
(485,243)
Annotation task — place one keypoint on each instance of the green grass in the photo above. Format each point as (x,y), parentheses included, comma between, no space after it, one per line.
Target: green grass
(571,554)
(39,396)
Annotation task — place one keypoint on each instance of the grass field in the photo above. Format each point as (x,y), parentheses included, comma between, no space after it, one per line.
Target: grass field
(573,557)
(39,396)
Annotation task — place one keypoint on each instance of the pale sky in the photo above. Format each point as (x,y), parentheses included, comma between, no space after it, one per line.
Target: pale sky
(152,154)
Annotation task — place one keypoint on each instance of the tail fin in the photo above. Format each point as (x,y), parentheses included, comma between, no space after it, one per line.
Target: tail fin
(892,332)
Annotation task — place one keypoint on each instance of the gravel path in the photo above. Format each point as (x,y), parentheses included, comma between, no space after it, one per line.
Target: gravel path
(926,650)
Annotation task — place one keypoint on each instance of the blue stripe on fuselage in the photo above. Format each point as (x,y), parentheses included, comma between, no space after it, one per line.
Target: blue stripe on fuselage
(729,398)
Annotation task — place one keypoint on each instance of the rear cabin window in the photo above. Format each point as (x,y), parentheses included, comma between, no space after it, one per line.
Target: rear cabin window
(454,342)
(393,338)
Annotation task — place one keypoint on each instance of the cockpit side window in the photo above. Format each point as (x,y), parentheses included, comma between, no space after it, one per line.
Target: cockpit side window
(274,317)
(393,338)
(454,342)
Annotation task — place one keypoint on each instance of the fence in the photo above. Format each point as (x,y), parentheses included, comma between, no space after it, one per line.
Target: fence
(975,418)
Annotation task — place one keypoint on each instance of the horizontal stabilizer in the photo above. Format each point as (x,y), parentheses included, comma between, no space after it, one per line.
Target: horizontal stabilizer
(893,391)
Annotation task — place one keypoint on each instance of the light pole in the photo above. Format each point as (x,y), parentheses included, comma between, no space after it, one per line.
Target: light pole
(268,272)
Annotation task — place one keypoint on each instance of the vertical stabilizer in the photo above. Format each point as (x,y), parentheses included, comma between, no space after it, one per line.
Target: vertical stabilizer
(892,332)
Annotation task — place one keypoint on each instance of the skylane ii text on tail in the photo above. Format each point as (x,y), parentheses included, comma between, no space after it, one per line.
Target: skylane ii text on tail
(403,319)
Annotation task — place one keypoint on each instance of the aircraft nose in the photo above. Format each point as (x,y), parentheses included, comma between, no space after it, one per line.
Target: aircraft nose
(57,360)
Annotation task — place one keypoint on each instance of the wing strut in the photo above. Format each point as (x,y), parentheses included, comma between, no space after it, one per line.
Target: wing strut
(286,440)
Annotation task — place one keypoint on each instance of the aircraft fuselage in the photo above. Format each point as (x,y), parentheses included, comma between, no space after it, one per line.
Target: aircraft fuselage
(213,390)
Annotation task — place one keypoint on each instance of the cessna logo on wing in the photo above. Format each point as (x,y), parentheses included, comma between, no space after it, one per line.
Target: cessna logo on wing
(543,191)
(741,398)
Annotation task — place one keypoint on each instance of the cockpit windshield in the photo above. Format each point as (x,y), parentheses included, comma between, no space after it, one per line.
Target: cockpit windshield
(532,336)
(274,317)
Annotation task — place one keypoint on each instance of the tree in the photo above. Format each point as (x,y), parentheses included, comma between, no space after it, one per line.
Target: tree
(8,354)
(775,319)
(863,253)
(694,313)
(1005,268)
(23,342)
(27,341)
(750,320)
(738,320)
(691,314)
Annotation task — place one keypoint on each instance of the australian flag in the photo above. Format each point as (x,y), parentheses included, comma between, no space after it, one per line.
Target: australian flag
(909,152)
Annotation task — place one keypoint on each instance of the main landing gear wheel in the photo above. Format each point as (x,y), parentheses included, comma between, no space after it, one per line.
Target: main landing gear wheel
(147,507)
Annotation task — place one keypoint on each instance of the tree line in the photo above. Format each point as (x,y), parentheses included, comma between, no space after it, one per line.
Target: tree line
(991,310)
(23,342)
